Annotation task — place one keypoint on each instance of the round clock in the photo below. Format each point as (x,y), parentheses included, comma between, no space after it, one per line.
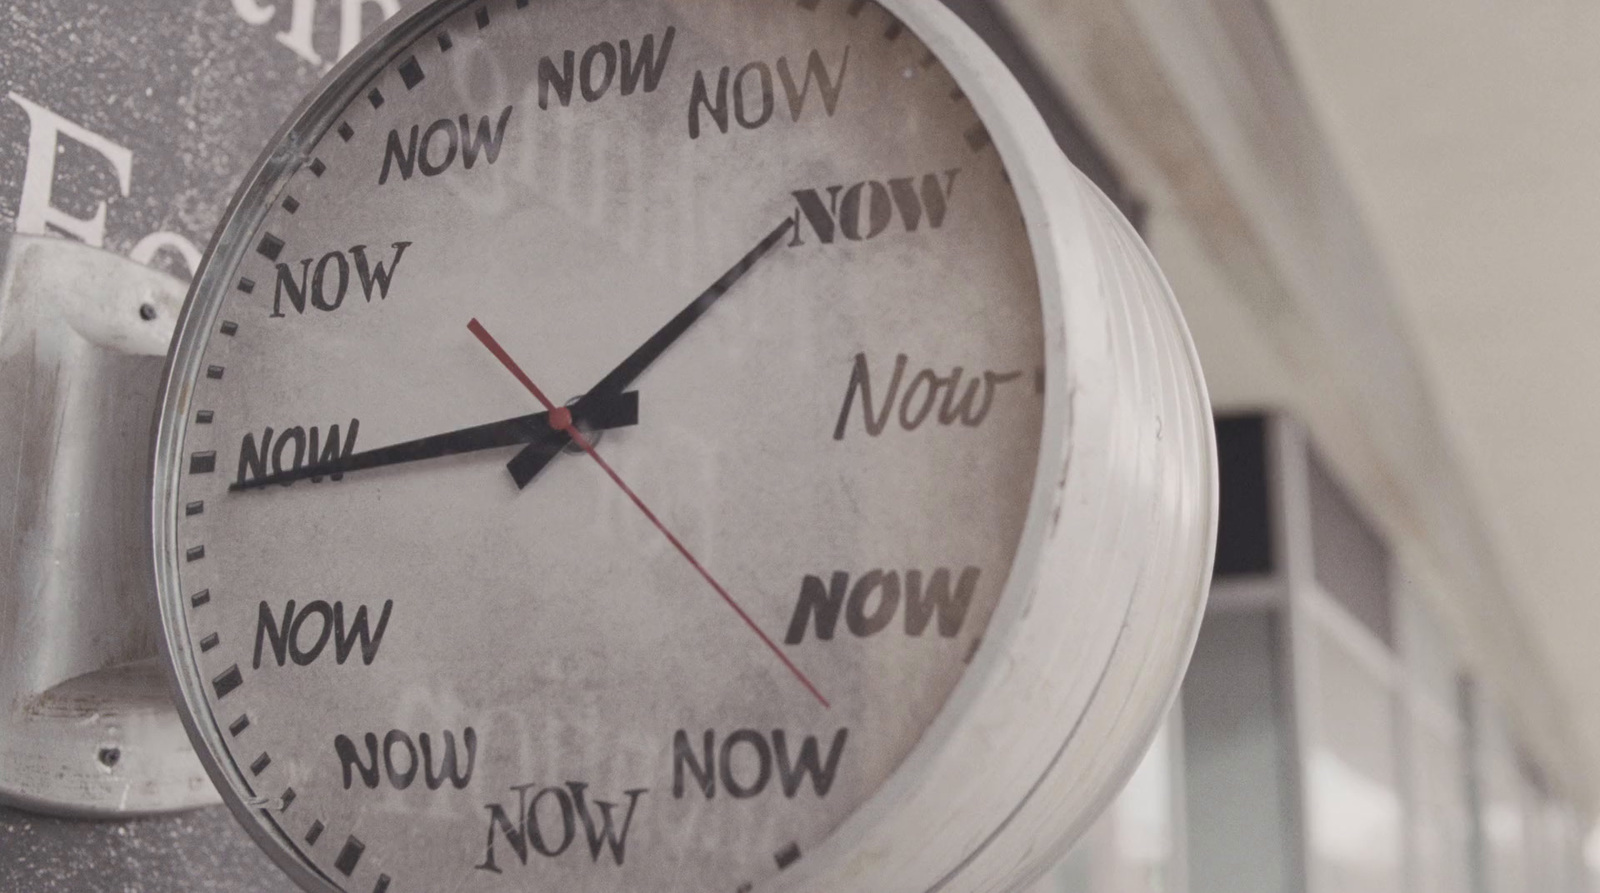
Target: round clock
(676,445)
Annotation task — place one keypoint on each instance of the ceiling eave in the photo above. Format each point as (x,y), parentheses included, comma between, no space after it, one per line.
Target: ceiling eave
(1203,113)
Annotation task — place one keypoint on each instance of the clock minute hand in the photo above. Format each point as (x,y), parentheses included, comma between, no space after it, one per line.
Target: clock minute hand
(613,411)
(526,465)
(561,419)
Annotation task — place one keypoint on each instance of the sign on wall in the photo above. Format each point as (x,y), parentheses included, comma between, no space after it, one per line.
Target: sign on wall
(128,126)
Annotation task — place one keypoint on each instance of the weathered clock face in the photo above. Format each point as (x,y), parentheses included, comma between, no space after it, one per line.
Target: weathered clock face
(599,446)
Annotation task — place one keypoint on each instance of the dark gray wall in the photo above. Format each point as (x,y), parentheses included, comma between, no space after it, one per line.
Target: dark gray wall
(199,851)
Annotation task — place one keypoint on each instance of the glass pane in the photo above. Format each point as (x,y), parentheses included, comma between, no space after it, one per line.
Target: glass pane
(1141,822)
(1074,874)
(1353,803)
(1130,849)
(1503,823)
(1349,559)
(1429,656)
(1442,827)
(1243,830)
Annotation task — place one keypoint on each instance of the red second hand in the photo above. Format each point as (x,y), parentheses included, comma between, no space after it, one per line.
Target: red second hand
(561,420)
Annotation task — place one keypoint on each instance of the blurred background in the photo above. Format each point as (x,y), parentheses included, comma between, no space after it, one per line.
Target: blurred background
(1380,220)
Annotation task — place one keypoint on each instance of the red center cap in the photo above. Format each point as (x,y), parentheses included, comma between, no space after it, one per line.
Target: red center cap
(561,418)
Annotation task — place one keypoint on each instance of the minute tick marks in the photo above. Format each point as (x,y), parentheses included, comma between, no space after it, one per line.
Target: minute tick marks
(394,560)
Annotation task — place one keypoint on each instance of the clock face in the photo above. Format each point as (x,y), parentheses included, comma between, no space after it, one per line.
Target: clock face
(600,444)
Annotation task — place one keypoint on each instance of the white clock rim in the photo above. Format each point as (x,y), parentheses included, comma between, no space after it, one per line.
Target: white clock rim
(1052,196)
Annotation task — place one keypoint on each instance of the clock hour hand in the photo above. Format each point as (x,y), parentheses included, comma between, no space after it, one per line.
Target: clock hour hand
(526,465)
(562,420)
(617,411)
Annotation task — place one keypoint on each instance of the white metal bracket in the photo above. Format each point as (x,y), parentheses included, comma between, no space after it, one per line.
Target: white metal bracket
(87,723)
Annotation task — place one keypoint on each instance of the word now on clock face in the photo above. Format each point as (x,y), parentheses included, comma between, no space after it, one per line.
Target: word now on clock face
(605,459)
